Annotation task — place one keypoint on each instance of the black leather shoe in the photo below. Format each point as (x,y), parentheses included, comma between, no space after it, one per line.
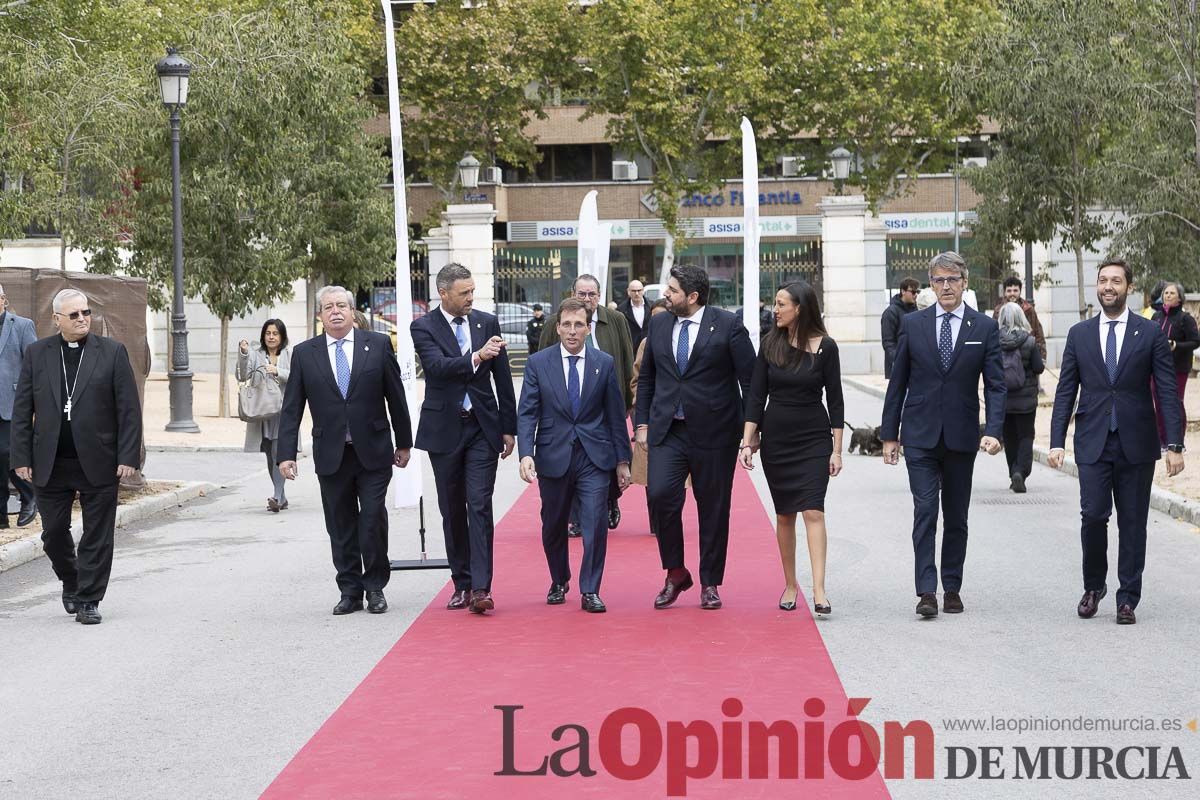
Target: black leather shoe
(1018,483)
(3,519)
(1090,602)
(70,602)
(481,601)
(574,531)
(272,505)
(927,606)
(592,603)
(459,599)
(614,514)
(89,614)
(710,599)
(347,605)
(952,603)
(1125,615)
(822,610)
(376,602)
(557,594)
(673,588)
(28,513)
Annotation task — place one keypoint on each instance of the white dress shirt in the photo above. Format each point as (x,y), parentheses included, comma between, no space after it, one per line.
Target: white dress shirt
(462,349)
(1122,321)
(347,348)
(639,314)
(956,319)
(693,332)
(566,365)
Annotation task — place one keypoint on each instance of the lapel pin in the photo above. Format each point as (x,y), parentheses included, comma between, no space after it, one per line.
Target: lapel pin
(597,370)
(968,323)
(366,348)
(478,324)
(1135,333)
(712,328)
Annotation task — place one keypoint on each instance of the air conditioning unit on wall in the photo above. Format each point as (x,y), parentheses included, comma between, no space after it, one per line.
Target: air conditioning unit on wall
(789,166)
(493,175)
(624,171)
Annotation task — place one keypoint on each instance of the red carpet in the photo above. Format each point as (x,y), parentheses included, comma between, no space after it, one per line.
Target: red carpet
(423,724)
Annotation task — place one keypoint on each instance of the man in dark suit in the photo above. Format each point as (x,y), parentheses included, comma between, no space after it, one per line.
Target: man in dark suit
(696,370)
(464,425)
(1109,360)
(346,376)
(932,408)
(77,428)
(609,333)
(572,439)
(636,312)
(16,334)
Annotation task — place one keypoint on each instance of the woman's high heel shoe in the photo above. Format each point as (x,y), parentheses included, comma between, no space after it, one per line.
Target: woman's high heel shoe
(823,610)
(788,605)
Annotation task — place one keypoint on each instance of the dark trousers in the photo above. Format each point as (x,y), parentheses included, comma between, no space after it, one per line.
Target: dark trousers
(614,495)
(355,503)
(668,466)
(589,484)
(465,479)
(84,573)
(934,471)
(1018,442)
(24,488)
(1113,478)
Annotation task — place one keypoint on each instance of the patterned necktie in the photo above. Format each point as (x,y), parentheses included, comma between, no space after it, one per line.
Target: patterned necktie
(1110,363)
(681,359)
(343,368)
(460,334)
(946,342)
(573,385)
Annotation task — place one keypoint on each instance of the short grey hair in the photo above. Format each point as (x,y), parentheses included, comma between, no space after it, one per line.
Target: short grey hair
(327,290)
(585,277)
(1011,317)
(950,261)
(451,273)
(64,295)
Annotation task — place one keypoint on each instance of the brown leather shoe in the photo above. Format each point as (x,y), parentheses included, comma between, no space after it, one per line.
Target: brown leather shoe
(672,588)
(927,606)
(1125,615)
(481,601)
(459,599)
(1090,602)
(952,603)
(709,599)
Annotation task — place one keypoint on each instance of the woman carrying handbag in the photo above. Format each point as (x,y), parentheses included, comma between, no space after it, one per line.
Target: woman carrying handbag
(272,360)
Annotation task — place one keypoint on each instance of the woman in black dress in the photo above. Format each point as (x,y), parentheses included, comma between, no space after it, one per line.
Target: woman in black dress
(801,441)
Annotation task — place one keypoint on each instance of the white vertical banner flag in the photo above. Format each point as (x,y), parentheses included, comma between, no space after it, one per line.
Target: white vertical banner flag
(668,261)
(407,481)
(594,240)
(750,232)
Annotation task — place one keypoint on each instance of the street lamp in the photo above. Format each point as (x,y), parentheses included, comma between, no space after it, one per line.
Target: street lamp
(173,74)
(957,141)
(468,172)
(841,166)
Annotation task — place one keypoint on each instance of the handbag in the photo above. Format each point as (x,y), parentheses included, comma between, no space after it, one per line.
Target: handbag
(259,397)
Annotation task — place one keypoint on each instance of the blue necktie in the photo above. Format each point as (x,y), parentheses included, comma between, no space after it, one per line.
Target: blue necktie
(681,359)
(1110,362)
(573,385)
(461,335)
(946,342)
(343,368)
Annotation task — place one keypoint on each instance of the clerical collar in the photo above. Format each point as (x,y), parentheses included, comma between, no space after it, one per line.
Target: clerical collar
(73,345)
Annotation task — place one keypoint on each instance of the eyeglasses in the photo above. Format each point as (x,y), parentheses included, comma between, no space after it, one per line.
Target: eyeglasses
(586,295)
(946,280)
(87,312)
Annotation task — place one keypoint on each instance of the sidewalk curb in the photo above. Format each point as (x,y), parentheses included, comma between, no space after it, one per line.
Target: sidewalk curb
(305,446)
(22,551)
(1175,505)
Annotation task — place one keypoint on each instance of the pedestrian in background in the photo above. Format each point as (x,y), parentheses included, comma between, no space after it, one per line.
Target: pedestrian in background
(1012,294)
(1022,364)
(533,328)
(1182,337)
(641,455)
(16,334)
(1155,300)
(272,357)
(801,440)
(904,302)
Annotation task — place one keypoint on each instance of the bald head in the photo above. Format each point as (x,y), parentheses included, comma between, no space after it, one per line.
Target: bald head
(635,292)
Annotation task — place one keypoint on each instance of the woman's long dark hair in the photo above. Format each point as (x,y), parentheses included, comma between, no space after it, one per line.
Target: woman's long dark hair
(777,344)
(279,326)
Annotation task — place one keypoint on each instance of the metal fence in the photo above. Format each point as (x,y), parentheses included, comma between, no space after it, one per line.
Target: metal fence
(526,278)
(907,260)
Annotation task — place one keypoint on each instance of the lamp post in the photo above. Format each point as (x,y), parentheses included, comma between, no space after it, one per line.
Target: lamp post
(841,167)
(468,172)
(173,74)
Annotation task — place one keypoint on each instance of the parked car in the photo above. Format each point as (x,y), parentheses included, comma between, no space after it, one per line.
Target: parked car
(652,292)
(513,319)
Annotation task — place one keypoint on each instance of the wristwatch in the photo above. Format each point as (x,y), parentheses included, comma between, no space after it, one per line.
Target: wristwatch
(1175,448)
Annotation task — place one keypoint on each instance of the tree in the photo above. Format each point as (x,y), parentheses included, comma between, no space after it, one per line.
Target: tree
(1056,75)
(473,76)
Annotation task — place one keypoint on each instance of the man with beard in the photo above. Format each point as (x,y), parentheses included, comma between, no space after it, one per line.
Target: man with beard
(1109,361)
(934,394)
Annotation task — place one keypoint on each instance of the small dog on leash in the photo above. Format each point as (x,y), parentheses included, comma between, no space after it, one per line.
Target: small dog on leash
(866,440)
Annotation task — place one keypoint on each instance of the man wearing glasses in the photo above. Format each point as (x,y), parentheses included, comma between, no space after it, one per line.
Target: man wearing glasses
(635,312)
(77,394)
(932,408)
(609,332)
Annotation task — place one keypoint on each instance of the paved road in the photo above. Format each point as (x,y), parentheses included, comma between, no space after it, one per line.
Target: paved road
(218,658)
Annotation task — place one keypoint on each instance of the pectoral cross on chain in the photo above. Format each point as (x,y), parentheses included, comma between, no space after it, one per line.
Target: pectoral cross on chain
(67,409)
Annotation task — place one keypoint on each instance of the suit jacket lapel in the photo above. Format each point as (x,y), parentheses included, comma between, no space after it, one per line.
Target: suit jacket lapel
(1128,344)
(558,382)
(965,326)
(668,332)
(6,331)
(591,376)
(54,369)
(87,365)
(444,331)
(360,359)
(477,335)
(321,354)
(931,331)
(708,324)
